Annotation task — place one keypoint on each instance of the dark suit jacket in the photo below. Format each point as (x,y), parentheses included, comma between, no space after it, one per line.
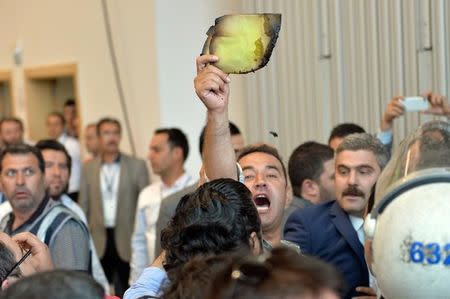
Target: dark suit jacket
(133,178)
(325,231)
(167,210)
(296,203)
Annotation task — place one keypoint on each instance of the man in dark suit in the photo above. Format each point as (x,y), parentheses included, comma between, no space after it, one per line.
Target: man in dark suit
(333,231)
(311,172)
(109,192)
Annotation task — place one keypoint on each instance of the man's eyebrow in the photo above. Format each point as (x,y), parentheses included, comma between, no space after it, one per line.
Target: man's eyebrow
(273,167)
(249,167)
(342,165)
(357,166)
(364,166)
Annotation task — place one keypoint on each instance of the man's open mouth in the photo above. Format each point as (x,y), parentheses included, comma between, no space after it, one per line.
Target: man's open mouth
(262,202)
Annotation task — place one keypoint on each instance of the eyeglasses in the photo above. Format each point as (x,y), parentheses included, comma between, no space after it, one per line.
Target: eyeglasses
(16,265)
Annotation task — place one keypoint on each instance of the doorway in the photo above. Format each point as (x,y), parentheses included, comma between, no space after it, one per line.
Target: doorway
(47,89)
(6,98)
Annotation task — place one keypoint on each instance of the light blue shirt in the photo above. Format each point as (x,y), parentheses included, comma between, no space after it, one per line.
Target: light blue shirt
(150,283)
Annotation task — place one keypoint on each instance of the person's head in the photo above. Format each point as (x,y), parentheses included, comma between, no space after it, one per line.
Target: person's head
(311,172)
(57,166)
(237,140)
(360,158)
(70,111)
(218,217)
(283,273)
(56,284)
(22,172)
(265,177)
(55,125)
(340,131)
(193,279)
(91,139)
(169,148)
(11,131)
(109,133)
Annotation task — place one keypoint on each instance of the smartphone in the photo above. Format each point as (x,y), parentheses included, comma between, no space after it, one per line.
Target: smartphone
(415,104)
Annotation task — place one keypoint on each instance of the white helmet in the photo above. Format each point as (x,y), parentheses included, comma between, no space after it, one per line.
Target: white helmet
(410,222)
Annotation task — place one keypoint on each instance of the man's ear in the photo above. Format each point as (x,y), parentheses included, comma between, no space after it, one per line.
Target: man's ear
(310,188)
(255,244)
(178,152)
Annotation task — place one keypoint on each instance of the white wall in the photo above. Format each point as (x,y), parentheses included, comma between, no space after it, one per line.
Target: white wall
(156,43)
(180,33)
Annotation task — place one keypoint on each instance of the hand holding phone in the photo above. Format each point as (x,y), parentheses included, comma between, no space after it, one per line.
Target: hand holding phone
(415,104)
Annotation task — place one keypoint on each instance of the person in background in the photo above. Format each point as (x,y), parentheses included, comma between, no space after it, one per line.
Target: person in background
(91,141)
(55,130)
(168,151)
(71,118)
(109,192)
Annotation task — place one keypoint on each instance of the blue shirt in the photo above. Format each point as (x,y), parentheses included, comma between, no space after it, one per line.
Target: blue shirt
(150,283)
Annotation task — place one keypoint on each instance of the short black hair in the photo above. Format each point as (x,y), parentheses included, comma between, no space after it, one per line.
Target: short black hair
(176,138)
(345,129)
(11,119)
(22,149)
(55,284)
(58,115)
(234,130)
(7,262)
(306,162)
(219,216)
(263,148)
(108,120)
(51,144)
(70,103)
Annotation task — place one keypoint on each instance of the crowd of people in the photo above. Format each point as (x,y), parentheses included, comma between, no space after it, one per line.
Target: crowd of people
(250,227)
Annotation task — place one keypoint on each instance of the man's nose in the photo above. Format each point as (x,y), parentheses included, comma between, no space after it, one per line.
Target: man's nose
(260,180)
(20,179)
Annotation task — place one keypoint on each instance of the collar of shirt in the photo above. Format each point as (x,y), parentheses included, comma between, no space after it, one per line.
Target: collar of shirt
(62,138)
(357,224)
(30,220)
(180,183)
(119,156)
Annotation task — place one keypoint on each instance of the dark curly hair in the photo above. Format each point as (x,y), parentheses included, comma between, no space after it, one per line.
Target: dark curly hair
(218,217)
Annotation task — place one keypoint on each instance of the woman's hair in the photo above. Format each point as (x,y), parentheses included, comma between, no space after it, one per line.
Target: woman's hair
(219,216)
(283,273)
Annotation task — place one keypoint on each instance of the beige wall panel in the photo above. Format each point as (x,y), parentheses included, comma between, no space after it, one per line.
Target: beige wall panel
(347,68)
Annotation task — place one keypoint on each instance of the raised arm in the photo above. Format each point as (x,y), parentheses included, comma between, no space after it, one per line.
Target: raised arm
(212,87)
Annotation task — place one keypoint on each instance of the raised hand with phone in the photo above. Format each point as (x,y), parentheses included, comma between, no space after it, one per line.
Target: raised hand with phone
(427,103)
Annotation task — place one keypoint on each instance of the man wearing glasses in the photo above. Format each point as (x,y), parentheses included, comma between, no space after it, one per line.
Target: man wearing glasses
(22,176)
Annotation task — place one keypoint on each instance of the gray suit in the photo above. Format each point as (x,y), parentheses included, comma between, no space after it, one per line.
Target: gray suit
(133,178)
(167,210)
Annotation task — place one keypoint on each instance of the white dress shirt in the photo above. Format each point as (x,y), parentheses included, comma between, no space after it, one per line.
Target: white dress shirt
(109,185)
(73,148)
(358,225)
(144,236)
